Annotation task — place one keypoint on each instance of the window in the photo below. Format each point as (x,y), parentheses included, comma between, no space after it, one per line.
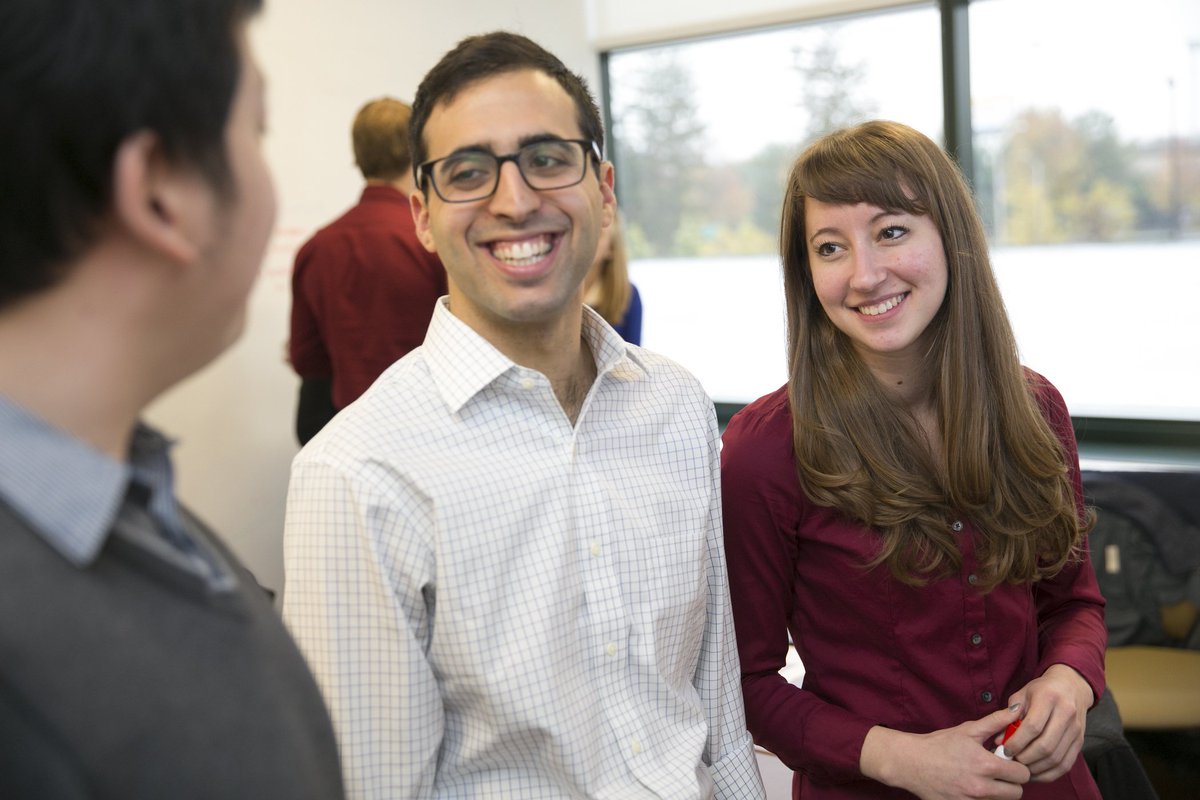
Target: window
(1087,170)
(1086,139)
(703,133)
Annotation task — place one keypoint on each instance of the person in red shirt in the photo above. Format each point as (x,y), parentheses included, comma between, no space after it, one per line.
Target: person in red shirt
(363,287)
(908,507)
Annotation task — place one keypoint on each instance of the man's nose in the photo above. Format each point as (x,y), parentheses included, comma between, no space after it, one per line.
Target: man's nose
(513,197)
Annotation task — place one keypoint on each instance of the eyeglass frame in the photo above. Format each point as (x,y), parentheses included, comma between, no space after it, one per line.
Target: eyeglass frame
(423,171)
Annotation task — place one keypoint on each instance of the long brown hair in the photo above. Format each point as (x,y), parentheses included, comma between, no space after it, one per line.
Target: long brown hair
(862,453)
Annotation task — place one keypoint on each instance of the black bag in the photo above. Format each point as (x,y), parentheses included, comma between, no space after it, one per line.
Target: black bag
(1147,556)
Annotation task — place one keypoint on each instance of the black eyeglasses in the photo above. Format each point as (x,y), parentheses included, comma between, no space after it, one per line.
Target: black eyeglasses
(474,174)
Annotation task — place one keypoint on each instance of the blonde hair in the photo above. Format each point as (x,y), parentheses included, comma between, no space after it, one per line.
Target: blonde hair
(858,451)
(612,284)
(380,136)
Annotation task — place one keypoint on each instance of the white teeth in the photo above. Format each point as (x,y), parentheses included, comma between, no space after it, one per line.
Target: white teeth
(522,254)
(886,305)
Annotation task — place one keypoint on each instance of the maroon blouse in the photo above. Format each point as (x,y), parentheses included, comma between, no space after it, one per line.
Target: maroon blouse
(875,651)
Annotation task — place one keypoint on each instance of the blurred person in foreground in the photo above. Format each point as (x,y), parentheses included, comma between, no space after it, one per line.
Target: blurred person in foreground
(138,659)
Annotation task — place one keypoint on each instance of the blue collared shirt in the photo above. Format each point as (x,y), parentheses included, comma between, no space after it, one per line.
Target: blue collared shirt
(72,493)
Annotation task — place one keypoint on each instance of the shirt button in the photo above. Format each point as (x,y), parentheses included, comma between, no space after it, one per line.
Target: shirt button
(527,383)
(958,526)
(976,638)
(636,747)
(611,649)
(986,697)
(972,579)
(595,548)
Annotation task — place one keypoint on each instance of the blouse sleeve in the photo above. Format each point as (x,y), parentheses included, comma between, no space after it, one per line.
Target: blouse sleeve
(762,516)
(1070,607)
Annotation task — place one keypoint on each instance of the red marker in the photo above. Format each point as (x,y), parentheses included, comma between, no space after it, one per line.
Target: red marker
(1008,732)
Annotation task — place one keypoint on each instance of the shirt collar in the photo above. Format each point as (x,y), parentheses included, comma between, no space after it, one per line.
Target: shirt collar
(463,363)
(68,490)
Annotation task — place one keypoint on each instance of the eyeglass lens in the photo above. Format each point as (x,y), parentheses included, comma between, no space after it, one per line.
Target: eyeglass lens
(544,165)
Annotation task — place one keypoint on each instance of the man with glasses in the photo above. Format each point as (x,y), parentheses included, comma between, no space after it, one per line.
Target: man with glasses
(504,560)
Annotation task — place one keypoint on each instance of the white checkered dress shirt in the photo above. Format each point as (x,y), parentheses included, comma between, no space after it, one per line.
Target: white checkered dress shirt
(500,605)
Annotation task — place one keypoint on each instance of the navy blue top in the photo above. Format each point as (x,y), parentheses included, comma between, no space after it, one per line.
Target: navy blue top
(631,327)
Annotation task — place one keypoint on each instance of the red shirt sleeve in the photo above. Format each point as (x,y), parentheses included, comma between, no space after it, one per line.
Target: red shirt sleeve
(761,518)
(306,349)
(1070,607)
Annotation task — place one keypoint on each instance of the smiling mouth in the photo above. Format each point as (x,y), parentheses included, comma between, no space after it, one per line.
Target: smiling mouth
(884,307)
(523,253)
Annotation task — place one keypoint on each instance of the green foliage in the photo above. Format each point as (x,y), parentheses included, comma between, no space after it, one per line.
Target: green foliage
(703,239)
(659,153)
(637,245)
(1045,179)
(829,94)
(1067,181)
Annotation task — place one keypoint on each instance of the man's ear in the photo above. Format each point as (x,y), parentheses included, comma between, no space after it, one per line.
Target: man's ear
(607,192)
(165,207)
(420,212)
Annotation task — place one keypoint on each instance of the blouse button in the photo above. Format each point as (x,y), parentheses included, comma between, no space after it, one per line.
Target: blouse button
(958,526)
(972,579)
(986,697)
(976,638)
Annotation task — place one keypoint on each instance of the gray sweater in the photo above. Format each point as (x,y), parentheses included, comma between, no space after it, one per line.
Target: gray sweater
(132,679)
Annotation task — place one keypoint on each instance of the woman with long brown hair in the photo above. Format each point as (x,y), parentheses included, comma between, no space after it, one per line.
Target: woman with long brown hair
(908,507)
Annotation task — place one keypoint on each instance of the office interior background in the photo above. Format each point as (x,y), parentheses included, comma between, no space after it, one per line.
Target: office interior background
(1078,124)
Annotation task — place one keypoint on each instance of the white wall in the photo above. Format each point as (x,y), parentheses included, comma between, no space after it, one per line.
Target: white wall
(323,60)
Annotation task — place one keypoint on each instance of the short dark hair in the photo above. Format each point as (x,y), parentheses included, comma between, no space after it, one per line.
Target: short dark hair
(77,78)
(380,135)
(486,55)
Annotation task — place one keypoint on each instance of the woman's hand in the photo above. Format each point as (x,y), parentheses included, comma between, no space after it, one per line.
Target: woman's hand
(950,764)
(1051,734)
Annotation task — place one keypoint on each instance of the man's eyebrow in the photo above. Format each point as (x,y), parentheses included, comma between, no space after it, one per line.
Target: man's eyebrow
(481,147)
(467,148)
(536,138)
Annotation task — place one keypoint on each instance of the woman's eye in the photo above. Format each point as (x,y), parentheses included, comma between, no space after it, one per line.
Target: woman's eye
(893,232)
(826,249)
